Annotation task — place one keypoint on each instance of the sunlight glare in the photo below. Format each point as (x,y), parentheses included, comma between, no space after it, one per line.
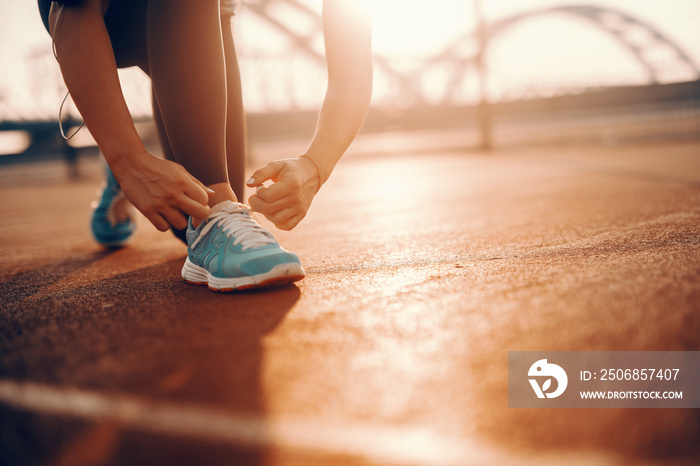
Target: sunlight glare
(412,28)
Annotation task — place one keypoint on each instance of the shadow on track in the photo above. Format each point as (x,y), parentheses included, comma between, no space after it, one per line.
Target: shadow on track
(144,334)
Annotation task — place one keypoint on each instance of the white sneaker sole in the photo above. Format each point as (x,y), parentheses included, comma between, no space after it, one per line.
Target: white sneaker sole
(282,274)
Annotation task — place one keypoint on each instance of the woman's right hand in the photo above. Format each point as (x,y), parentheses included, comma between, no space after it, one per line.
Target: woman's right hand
(163,191)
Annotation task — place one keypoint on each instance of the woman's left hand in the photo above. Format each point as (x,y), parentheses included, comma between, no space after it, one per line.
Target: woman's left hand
(295,182)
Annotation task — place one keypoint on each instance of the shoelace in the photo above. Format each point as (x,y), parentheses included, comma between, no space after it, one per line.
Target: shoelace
(235,220)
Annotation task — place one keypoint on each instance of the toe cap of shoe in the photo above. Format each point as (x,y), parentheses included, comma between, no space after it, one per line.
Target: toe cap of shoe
(265,263)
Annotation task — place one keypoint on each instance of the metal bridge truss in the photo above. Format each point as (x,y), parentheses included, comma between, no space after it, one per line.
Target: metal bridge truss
(640,39)
(298,34)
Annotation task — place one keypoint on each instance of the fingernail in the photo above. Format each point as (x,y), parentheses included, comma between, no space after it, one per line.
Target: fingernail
(250,181)
(259,188)
(209,190)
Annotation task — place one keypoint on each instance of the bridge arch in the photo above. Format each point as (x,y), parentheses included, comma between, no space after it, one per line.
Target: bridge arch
(618,25)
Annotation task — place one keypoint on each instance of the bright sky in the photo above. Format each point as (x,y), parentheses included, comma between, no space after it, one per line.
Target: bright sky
(554,51)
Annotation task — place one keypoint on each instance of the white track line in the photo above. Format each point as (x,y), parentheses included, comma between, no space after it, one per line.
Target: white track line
(385,445)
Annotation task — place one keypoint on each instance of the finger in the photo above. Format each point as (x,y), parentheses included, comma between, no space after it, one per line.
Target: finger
(199,183)
(192,208)
(268,172)
(269,208)
(257,204)
(282,216)
(291,223)
(175,218)
(158,221)
(274,192)
(197,191)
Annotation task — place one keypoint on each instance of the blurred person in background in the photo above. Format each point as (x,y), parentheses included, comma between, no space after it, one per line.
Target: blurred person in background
(186,48)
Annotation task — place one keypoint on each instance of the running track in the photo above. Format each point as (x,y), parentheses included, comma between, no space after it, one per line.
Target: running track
(424,269)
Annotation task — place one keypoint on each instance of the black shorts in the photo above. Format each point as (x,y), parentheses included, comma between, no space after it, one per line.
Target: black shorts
(126,25)
(45,7)
(228,8)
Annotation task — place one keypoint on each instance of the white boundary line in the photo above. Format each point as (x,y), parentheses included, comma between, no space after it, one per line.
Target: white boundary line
(383,445)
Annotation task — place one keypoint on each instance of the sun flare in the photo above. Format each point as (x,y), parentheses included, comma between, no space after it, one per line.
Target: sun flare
(412,28)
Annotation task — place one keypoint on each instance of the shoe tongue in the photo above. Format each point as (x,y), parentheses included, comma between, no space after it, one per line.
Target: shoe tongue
(255,238)
(226,205)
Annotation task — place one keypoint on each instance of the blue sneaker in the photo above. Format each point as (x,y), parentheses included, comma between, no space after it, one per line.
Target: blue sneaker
(112,220)
(231,251)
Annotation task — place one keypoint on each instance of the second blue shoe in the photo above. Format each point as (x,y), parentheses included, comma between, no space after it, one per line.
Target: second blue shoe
(113,218)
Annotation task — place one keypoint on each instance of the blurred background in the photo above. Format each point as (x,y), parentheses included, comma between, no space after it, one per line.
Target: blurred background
(469,74)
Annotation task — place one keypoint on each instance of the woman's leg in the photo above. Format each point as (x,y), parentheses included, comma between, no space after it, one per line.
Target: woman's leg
(167,151)
(127,22)
(189,76)
(187,68)
(160,127)
(235,120)
(235,116)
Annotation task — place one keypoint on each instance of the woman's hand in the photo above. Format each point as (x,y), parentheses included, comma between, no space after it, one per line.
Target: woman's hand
(285,202)
(163,191)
